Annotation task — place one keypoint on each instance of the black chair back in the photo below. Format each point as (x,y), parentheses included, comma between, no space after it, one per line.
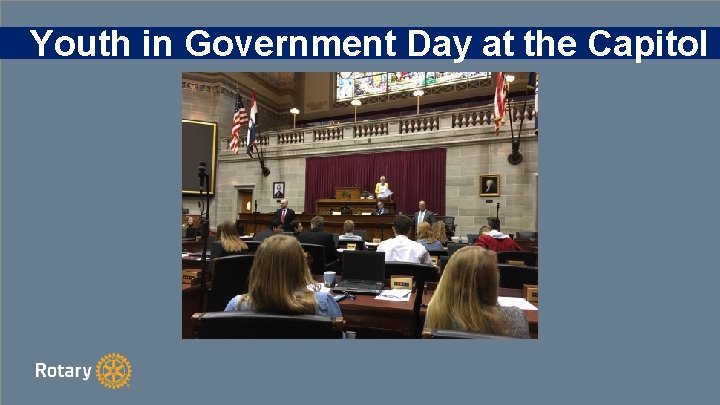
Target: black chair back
(252,245)
(454,247)
(449,226)
(316,253)
(251,325)
(421,273)
(359,244)
(457,334)
(472,237)
(515,276)
(361,232)
(230,278)
(528,235)
(527,258)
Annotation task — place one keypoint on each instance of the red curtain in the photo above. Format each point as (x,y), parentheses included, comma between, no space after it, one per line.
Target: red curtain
(412,176)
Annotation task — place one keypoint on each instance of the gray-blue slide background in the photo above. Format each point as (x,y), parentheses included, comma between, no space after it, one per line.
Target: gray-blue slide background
(628,214)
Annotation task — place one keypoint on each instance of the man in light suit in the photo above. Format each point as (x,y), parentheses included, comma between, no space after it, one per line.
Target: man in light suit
(380,210)
(423,215)
(285,215)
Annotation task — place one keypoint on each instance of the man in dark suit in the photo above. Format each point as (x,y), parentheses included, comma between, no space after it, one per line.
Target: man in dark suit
(285,215)
(317,236)
(423,215)
(380,210)
(272,229)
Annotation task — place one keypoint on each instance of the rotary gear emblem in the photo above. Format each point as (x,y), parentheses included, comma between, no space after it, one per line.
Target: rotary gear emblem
(113,371)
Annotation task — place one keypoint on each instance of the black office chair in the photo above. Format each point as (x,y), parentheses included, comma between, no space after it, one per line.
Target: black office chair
(316,253)
(251,325)
(336,239)
(359,244)
(449,226)
(472,237)
(421,273)
(252,245)
(458,334)
(526,235)
(527,258)
(230,278)
(512,276)
(454,247)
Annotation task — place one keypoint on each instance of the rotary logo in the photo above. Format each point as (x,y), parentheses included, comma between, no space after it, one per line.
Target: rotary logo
(113,371)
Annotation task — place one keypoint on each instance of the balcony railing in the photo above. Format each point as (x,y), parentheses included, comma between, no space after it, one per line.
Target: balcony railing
(437,127)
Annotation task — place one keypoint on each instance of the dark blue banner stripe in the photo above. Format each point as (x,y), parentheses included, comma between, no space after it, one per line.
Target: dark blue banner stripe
(457,44)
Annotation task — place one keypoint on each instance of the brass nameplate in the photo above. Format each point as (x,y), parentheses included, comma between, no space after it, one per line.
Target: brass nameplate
(377,240)
(351,246)
(531,294)
(515,262)
(401,282)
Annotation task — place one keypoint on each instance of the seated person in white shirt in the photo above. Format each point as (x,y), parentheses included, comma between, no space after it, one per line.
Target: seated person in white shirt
(401,248)
(349,228)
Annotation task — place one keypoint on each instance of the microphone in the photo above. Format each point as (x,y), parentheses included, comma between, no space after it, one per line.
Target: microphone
(202,167)
(255,205)
(497,211)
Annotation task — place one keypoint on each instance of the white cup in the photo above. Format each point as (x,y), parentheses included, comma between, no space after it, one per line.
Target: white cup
(329,278)
(350,335)
(455,239)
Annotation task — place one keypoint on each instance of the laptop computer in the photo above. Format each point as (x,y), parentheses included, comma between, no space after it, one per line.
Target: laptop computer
(363,272)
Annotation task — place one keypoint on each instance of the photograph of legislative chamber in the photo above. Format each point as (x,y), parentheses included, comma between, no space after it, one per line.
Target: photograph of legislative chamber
(360,205)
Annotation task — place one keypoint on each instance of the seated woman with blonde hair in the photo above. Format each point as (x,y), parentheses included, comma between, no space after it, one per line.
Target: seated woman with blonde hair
(467,298)
(229,242)
(426,237)
(438,228)
(280,283)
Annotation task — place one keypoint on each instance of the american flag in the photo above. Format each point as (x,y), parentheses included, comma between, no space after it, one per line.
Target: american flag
(240,118)
(500,100)
(251,125)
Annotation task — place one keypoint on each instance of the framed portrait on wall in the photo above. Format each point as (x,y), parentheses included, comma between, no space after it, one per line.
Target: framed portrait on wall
(489,185)
(279,189)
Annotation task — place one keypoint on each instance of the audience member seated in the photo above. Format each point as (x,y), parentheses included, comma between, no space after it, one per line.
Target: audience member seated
(439,231)
(346,210)
(280,283)
(496,240)
(317,236)
(296,227)
(401,248)
(349,228)
(466,298)
(273,228)
(188,228)
(229,243)
(427,238)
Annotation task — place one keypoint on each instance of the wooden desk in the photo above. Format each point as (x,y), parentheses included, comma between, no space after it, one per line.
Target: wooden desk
(358,206)
(377,226)
(192,245)
(372,318)
(192,302)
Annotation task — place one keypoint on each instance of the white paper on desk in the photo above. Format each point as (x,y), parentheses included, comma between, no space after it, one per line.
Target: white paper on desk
(402,295)
(521,303)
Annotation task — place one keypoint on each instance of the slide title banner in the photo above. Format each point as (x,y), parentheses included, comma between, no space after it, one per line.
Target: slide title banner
(458,44)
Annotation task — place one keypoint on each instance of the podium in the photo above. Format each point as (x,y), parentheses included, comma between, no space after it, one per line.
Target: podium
(350,196)
(347,193)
